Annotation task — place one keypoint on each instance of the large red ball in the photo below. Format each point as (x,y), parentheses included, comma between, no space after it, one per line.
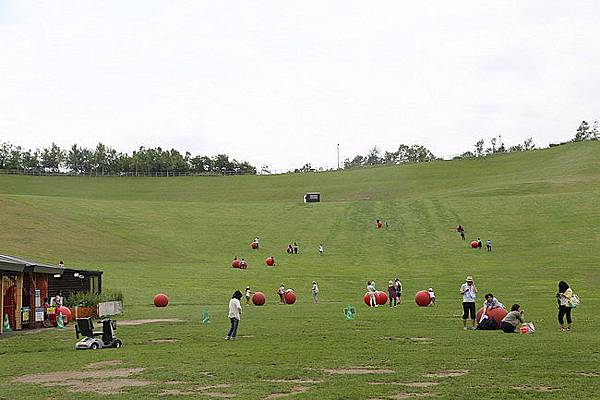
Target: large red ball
(474,244)
(289,297)
(258,298)
(66,312)
(235,263)
(161,300)
(497,314)
(381,298)
(270,261)
(254,245)
(367,299)
(422,298)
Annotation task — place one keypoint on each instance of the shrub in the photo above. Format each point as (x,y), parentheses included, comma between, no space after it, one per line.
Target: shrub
(87,299)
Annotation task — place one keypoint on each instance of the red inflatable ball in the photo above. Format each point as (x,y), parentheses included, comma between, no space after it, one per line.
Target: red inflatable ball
(254,245)
(474,244)
(381,298)
(422,298)
(235,263)
(66,312)
(367,299)
(161,300)
(270,261)
(497,314)
(289,297)
(258,299)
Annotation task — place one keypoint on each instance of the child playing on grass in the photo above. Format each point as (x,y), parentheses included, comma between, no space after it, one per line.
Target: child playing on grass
(247,294)
(371,289)
(489,304)
(431,296)
(281,292)
(398,285)
(315,292)
(392,293)
(488,244)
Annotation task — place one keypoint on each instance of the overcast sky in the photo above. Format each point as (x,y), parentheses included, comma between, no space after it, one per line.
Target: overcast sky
(282,82)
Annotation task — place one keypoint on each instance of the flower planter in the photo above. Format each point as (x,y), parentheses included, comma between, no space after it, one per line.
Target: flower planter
(84,312)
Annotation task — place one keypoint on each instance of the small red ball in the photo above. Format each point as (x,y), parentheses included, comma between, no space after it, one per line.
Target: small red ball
(235,263)
(270,261)
(474,244)
(289,297)
(161,300)
(422,298)
(258,298)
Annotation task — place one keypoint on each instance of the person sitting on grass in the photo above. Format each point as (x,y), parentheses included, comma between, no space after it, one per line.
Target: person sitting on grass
(431,297)
(371,289)
(513,319)
(281,292)
(489,304)
(243,264)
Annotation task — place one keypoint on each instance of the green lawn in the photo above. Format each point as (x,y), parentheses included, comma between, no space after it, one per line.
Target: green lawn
(178,236)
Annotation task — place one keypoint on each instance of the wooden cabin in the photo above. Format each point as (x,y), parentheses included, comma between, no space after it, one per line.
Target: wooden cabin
(24,284)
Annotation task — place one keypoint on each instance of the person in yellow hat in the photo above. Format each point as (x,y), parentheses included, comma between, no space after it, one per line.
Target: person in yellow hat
(469,294)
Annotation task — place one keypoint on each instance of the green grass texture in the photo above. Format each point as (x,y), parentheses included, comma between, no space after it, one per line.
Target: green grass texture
(178,236)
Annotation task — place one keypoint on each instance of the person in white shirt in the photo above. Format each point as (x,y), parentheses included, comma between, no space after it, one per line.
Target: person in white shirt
(469,293)
(57,300)
(235,311)
(321,249)
(315,292)
(431,296)
(248,294)
(398,285)
(371,289)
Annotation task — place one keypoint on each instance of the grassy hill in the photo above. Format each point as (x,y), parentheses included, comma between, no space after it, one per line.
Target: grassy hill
(178,236)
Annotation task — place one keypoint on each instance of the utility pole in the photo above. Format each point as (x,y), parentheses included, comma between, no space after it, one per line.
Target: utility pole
(338,155)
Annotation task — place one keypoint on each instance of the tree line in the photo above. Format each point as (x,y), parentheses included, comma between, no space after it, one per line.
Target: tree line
(103,160)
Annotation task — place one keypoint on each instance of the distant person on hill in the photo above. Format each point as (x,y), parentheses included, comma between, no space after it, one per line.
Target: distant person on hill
(564,297)
(235,311)
(290,249)
(392,293)
(479,243)
(469,293)
(295,248)
(281,292)
(513,319)
(431,296)
(243,264)
(321,249)
(371,289)
(314,290)
(488,244)
(489,304)
(257,241)
(398,285)
(460,229)
(248,294)
(61,264)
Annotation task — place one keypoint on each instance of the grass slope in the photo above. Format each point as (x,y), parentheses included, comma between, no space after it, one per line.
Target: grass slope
(178,235)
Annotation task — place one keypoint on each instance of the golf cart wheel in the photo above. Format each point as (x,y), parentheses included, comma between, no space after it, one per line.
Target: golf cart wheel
(94,346)
(118,344)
